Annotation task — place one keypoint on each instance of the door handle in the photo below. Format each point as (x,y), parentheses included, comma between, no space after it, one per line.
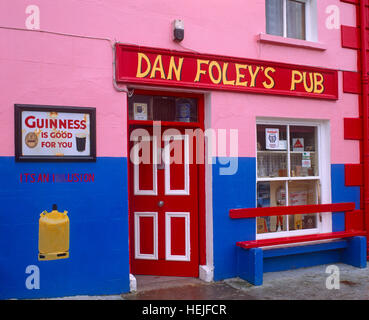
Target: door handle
(160,203)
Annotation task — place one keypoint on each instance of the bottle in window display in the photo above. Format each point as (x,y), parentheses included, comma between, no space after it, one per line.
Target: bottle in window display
(281,201)
(279,223)
(263,200)
(262,166)
(298,222)
(263,195)
(261,225)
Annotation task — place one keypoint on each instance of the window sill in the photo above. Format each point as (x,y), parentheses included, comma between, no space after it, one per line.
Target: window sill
(289,42)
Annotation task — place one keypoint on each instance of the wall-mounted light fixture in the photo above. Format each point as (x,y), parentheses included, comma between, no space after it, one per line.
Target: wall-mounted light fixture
(178,30)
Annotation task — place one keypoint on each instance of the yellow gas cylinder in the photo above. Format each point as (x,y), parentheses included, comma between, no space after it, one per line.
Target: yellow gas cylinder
(53,236)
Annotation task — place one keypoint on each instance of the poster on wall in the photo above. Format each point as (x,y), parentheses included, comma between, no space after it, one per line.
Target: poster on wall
(272,138)
(55,133)
(298,198)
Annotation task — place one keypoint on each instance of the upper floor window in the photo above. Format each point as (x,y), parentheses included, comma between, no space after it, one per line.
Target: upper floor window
(291,18)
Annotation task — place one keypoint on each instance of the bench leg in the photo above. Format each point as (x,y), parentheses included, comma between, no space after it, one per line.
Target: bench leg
(355,253)
(250,265)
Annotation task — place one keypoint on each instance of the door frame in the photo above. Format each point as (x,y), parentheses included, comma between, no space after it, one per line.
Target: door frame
(201,167)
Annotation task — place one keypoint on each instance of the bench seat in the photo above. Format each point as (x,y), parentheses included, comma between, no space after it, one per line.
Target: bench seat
(297,239)
(253,258)
(257,256)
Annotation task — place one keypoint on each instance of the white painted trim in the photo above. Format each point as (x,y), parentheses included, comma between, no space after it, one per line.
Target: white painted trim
(209,188)
(136,179)
(168,190)
(325,173)
(292,233)
(311,19)
(132,283)
(284,13)
(289,179)
(138,254)
(206,273)
(291,42)
(168,234)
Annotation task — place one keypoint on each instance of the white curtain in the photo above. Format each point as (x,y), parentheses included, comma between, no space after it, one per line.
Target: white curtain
(295,19)
(274,17)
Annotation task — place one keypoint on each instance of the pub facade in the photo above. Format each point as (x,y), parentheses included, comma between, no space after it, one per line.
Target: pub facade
(139,137)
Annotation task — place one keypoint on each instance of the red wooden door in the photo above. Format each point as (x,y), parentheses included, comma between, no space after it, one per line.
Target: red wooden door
(163,205)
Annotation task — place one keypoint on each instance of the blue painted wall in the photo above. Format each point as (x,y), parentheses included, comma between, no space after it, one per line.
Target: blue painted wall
(239,191)
(98,213)
(341,193)
(231,192)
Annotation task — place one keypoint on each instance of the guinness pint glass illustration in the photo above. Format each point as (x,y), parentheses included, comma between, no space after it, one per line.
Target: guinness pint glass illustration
(53,236)
(81,141)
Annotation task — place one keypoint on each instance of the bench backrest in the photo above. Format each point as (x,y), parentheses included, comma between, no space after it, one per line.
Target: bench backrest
(352,221)
(290,210)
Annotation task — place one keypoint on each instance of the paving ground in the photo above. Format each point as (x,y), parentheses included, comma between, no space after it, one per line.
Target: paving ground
(301,284)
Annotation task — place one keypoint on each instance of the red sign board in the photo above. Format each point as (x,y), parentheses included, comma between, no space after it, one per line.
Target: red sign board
(150,66)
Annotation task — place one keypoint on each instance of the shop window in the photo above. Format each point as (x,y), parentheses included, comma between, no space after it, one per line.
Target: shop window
(288,173)
(162,108)
(291,18)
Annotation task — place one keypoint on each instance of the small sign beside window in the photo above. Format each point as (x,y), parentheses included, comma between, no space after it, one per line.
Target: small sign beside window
(271,139)
(298,144)
(140,111)
(306,162)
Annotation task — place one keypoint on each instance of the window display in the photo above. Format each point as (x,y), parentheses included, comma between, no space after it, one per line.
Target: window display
(271,194)
(287,174)
(272,151)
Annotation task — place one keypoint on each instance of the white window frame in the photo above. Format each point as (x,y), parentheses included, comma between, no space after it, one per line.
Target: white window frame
(311,30)
(324,221)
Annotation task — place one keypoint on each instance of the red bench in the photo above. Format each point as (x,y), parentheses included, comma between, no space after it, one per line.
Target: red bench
(354,252)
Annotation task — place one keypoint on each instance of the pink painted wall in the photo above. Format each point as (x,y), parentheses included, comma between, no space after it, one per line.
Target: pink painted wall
(56,68)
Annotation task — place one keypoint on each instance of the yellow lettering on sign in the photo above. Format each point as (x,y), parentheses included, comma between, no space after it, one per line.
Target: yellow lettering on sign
(158,66)
(271,83)
(225,81)
(211,74)
(253,75)
(177,69)
(295,80)
(318,84)
(199,71)
(316,81)
(140,73)
(239,75)
(311,87)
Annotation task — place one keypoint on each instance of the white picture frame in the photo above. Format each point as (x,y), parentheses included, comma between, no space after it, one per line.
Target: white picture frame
(140,111)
